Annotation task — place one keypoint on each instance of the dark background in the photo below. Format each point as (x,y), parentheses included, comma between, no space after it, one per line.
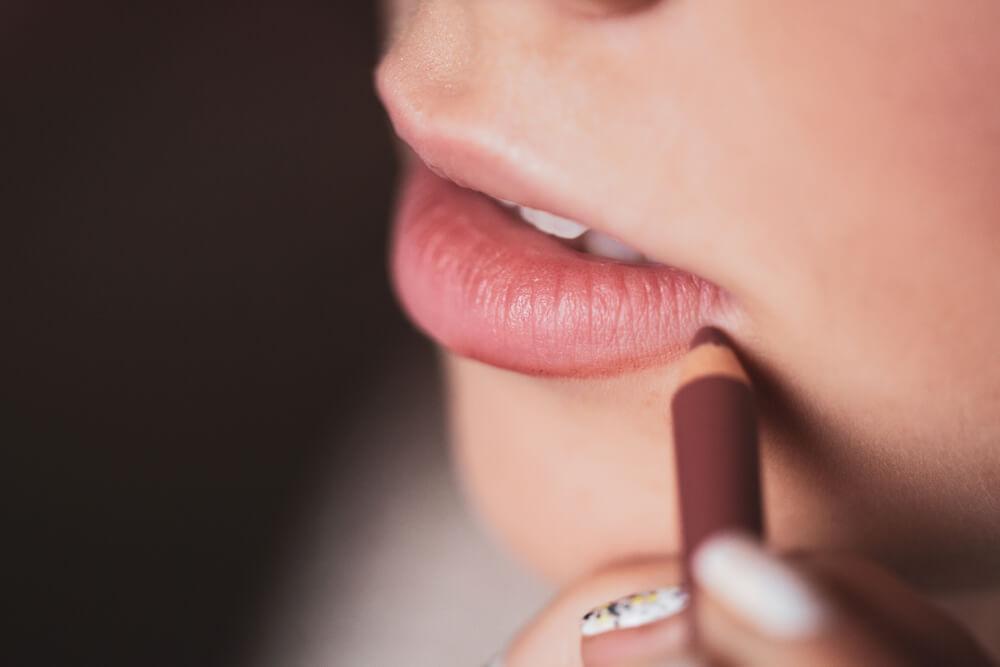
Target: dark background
(193,202)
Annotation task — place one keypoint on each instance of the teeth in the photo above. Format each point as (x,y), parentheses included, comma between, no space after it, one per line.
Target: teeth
(594,242)
(597,243)
(552,224)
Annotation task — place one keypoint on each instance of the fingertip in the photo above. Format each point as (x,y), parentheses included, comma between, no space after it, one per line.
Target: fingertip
(645,645)
(758,587)
(635,627)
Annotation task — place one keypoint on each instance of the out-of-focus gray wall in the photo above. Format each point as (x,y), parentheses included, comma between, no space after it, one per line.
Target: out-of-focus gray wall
(193,202)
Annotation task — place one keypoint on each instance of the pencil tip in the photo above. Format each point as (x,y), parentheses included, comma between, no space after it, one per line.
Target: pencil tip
(710,336)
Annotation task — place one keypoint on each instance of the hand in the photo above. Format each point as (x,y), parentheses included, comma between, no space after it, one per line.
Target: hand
(752,608)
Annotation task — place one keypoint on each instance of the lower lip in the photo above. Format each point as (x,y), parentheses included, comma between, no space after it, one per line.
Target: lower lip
(488,286)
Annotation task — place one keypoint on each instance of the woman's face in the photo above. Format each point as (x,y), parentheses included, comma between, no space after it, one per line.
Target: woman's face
(827,177)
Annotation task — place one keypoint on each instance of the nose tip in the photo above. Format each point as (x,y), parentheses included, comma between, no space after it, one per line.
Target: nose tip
(427,67)
(433,87)
(462,84)
(432,53)
(406,107)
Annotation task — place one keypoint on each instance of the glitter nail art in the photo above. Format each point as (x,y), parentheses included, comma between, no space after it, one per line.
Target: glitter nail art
(634,610)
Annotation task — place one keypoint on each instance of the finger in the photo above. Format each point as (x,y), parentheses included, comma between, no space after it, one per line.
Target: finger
(634,647)
(756,608)
(553,637)
(900,610)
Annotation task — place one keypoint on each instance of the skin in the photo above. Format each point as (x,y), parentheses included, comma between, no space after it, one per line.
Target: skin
(833,166)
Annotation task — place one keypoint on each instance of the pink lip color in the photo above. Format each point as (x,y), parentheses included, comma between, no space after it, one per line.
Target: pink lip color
(488,286)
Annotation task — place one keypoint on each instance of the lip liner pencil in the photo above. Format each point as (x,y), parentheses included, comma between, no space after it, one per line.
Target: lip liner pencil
(718,484)
(716,444)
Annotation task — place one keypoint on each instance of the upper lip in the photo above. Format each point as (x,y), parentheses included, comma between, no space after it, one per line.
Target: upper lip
(477,158)
(497,293)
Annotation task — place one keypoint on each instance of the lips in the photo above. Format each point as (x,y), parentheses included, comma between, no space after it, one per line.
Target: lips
(486,285)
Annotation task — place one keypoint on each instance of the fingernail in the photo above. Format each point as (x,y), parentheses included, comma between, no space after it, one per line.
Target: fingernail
(497,661)
(634,610)
(759,587)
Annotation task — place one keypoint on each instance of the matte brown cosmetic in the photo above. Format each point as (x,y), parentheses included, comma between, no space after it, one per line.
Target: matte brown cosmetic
(715,436)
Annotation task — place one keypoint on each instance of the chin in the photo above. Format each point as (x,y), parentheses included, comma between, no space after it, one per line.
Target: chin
(571,476)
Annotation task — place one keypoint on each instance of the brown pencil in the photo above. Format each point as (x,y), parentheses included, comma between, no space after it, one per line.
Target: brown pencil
(716,447)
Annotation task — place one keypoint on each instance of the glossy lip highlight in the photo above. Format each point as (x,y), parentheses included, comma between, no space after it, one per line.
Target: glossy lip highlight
(488,286)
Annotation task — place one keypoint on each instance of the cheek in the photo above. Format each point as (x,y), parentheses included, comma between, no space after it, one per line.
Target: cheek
(569,476)
(852,151)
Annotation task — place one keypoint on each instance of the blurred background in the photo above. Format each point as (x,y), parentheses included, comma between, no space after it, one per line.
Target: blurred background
(221,443)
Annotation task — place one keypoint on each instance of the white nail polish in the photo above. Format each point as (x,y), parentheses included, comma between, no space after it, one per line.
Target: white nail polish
(759,587)
(634,610)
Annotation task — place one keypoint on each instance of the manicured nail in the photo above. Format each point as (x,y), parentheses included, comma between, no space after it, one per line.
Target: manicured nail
(634,610)
(497,661)
(758,587)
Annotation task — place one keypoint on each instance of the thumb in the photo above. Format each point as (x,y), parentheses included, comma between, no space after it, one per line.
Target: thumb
(758,608)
